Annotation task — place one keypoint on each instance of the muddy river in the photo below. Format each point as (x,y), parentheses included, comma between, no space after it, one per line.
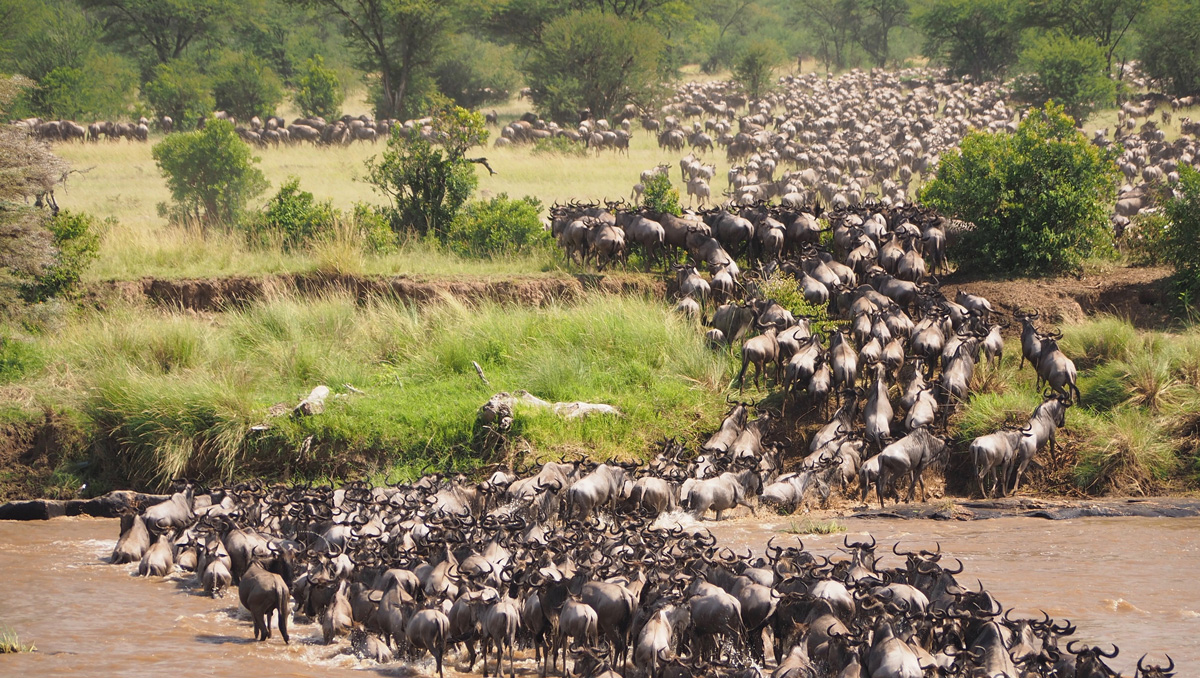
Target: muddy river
(1132,581)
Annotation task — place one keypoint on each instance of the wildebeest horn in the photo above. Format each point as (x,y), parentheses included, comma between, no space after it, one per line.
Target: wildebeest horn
(1115,651)
(1071,649)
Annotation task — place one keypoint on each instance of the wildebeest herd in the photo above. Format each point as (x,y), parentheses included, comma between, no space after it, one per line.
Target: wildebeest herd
(896,360)
(575,561)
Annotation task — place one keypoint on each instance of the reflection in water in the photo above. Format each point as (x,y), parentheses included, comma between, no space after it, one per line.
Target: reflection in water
(1131,581)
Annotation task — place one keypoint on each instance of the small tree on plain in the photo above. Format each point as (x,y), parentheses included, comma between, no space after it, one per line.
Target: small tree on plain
(1180,248)
(181,91)
(245,87)
(755,66)
(1039,198)
(428,181)
(320,90)
(211,173)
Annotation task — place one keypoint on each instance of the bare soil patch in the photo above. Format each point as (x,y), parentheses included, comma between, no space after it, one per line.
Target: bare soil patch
(1134,293)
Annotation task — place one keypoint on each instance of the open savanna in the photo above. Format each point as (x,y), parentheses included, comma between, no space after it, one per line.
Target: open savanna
(152,394)
(120,180)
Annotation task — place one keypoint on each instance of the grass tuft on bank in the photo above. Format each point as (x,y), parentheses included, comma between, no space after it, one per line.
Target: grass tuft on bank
(1135,431)
(173,394)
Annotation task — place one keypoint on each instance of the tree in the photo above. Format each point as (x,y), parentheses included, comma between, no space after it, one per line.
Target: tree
(1069,71)
(837,22)
(244,86)
(181,91)
(979,38)
(593,61)
(1170,45)
(211,173)
(755,66)
(473,72)
(397,39)
(27,169)
(76,76)
(320,90)
(1039,199)
(428,181)
(1104,22)
(166,27)
(879,18)
(76,242)
(1180,251)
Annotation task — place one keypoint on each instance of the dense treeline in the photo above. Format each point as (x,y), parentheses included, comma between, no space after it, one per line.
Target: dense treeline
(96,59)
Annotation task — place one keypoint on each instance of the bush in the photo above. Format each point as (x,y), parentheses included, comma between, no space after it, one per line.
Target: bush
(1144,240)
(785,290)
(1180,251)
(179,90)
(1170,50)
(754,67)
(1039,199)
(320,91)
(499,227)
(375,228)
(292,218)
(473,72)
(1069,71)
(244,86)
(659,196)
(560,145)
(429,182)
(593,60)
(77,244)
(210,172)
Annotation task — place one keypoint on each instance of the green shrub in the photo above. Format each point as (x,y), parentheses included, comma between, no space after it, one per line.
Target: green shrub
(292,218)
(785,290)
(244,86)
(475,72)
(320,90)
(1069,71)
(1144,240)
(1039,199)
(375,228)
(498,227)
(560,145)
(179,90)
(593,60)
(211,173)
(1181,251)
(755,65)
(429,182)
(660,196)
(76,244)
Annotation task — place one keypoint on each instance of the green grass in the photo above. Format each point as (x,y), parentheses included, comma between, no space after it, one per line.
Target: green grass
(1135,430)
(168,394)
(813,526)
(11,644)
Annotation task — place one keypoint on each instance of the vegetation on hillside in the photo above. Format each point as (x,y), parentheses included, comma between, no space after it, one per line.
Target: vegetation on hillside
(163,394)
(1039,198)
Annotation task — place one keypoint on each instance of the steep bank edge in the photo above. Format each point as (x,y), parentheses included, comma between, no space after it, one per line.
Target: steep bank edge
(217,294)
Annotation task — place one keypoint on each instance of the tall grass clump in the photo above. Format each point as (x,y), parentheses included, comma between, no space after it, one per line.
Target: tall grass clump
(1100,339)
(11,644)
(1127,453)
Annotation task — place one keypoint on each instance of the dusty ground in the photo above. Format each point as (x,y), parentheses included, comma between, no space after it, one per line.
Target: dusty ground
(1133,293)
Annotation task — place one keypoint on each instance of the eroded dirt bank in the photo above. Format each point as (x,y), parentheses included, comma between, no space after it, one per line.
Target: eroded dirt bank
(217,294)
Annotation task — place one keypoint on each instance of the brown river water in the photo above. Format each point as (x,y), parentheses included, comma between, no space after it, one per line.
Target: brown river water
(1132,581)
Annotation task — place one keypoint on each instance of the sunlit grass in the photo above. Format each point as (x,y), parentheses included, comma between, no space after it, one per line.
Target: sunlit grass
(170,394)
